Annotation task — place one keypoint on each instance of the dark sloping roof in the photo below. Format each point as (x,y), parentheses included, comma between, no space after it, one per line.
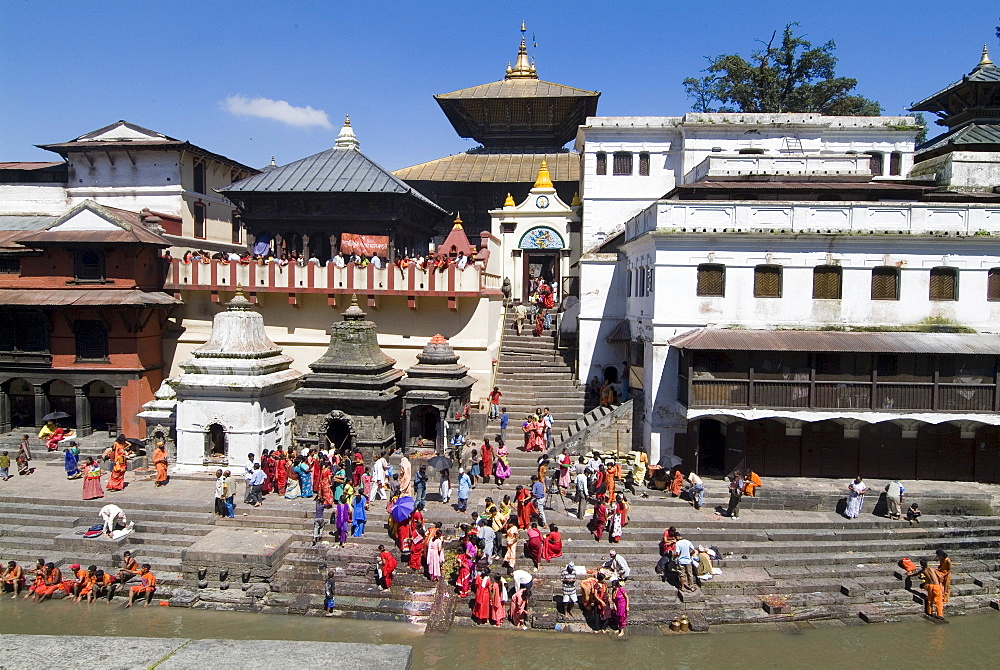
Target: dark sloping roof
(495,167)
(517,88)
(717,339)
(989,72)
(621,333)
(973,134)
(84,297)
(125,229)
(331,171)
(29,165)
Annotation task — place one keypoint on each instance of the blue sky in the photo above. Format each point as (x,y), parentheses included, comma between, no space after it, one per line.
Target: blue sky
(69,67)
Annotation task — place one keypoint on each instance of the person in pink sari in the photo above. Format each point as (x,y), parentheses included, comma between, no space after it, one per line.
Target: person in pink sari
(519,608)
(619,602)
(92,480)
(497,613)
(435,552)
(502,467)
(535,546)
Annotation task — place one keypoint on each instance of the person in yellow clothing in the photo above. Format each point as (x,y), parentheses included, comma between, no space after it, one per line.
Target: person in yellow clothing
(934,602)
(944,570)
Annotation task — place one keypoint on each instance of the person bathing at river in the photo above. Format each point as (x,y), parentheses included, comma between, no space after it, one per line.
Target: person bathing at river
(146,588)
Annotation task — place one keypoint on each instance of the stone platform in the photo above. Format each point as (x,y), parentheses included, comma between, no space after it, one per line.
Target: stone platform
(27,652)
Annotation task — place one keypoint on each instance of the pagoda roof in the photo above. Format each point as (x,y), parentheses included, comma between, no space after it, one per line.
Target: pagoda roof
(92,222)
(517,88)
(963,100)
(564,166)
(975,136)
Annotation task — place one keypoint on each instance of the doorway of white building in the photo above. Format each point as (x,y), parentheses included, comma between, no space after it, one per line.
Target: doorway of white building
(540,265)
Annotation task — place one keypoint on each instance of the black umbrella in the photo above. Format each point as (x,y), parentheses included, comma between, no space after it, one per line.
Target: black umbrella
(439,462)
(55,416)
(135,442)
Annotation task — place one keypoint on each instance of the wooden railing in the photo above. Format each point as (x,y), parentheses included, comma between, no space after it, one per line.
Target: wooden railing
(880,396)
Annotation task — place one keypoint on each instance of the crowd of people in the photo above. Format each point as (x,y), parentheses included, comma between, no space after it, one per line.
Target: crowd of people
(426,262)
(79,583)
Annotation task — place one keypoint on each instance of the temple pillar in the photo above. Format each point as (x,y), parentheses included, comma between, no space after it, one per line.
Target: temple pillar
(41,406)
(118,408)
(406,428)
(83,427)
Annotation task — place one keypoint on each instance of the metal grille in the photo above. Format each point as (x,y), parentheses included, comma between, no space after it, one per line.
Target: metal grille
(826,282)
(712,280)
(885,283)
(767,281)
(602,163)
(944,284)
(623,163)
(993,285)
(644,164)
(91,340)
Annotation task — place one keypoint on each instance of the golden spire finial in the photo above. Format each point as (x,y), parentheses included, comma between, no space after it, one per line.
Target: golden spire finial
(523,67)
(523,28)
(576,200)
(543,180)
(986,57)
(458,220)
(509,202)
(273,164)
(347,119)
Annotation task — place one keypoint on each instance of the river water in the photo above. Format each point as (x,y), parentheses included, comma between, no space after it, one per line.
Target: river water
(966,642)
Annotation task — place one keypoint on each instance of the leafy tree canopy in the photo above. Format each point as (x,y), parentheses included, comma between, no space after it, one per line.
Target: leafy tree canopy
(791,76)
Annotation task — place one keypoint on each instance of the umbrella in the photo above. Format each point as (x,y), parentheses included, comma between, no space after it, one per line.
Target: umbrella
(672,461)
(403,509)
(55,416)
(439,462)
(135,442)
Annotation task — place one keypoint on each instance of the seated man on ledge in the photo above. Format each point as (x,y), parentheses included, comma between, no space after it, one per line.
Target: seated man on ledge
(146,588)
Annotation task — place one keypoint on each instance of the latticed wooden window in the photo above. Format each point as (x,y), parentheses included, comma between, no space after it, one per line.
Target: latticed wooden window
(767,281)
(896,163)
(644,164)
(944,284)
(885,283)
(91,340)
(826,282)
(993,285)
(876,163)
(712,280)
(623,163)
(199,220)
(602,163)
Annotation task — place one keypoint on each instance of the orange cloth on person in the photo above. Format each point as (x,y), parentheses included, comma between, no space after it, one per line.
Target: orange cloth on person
(160,462)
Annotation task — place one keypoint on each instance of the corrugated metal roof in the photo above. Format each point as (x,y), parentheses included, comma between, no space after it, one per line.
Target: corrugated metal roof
(973,133)
(494,167)
(129,229)
(25,222)
(84,297)
(29,165)
(718,339)
(981,73)
(517,88)
(330,171)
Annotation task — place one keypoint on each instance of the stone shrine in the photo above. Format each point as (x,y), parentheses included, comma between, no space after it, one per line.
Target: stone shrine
(350,400)
(160,414)
(436,392)
(232,396)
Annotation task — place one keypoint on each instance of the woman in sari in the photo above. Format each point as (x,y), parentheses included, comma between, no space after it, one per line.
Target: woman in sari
(463,580)
(120,460)
(497,611)
(160,463)
(669,541)
(525,506)
(359,469)
(325,492)
(677,483)
(505,511)
(564,461)
(600,519)
(339,482)
(24,457)
(304,470)
(343,513)
(280,471)
(855,498)
(620,602)
(553,543)
(292,488)
(481,605)
(417,541)
(366,483)
(435,552)
(539,325)
(615,523)
(72,462)
(602,601)
(510,542)
(267,465)
(502,467)
(92,480)
(359,516)
(535,546)
(486,460)
(519,608)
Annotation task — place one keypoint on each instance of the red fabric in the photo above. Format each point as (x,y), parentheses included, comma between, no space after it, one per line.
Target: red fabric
(487,461)
(388,565)
(462,580)
(481,607)
(280,476)
(553,545)
(599,521)
(534,546)
(525,508)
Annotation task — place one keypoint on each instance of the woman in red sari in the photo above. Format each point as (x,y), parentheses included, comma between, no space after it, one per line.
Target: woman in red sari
(359,469)
(267,465)
(535,546)
(487,460)
(481,607)
(553,543)
(120,460)
(677,483)
(324,491)
(525,506)
(417,540)
(600,520)
(316,462)
(463,580)
(539,325)
(280,471)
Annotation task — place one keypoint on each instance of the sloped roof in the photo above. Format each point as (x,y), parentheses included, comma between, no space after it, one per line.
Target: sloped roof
(495,167)
(85,297)
(972,134)
(94,223)
(331,171)
(517,88)
(982,73)
(720,339)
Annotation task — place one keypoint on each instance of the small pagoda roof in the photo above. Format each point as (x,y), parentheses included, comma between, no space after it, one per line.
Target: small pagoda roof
(91,222)
(954,102)
(457,240)
(564,166)
(974,136)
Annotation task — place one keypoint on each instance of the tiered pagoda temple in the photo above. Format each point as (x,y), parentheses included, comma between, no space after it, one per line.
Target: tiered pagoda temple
(520,122)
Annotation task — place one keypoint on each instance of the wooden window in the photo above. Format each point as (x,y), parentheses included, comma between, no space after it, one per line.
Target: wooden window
(993,285)
(629,284)
(885,283)
(896,163)
(712,280)
(827,282)
(199,220)
(767,281)
(10,266)
(944,284)
(89,266)
(623,163)
(602,163)
(199,177)
(644,164)
(876,162)
(24,330)
(237,225)
(91,340)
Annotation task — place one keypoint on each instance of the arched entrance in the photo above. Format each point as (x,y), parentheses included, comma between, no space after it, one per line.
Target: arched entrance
(542,249)
(611,374)
(103,405)
(338,435)
(21,396)
(215,442)
(62,398)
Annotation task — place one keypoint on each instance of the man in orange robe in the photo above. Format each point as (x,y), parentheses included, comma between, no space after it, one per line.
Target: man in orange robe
(146,588)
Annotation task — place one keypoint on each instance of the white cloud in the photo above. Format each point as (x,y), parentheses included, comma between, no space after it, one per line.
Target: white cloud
(278,110)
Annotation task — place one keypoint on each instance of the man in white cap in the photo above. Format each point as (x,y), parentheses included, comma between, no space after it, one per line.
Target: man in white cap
(618,565)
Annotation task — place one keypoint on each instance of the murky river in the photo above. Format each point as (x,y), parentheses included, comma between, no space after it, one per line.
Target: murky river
(966,642)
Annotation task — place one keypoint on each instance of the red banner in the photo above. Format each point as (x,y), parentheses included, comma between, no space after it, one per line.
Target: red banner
(364,245)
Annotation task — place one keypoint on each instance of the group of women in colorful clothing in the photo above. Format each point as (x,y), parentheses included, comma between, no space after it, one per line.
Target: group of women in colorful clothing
(484,461)
(420,546)
(535,432)
(326,475)
(611,517)
(605,603)
(118,455)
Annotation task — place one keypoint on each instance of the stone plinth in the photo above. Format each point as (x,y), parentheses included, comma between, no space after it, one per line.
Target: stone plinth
(236,550)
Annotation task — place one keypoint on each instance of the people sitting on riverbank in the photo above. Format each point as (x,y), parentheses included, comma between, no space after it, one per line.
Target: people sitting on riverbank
(147,588)
(13,579)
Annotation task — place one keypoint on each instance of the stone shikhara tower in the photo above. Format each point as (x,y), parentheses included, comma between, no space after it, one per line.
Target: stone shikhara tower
(232,395)
(351,397)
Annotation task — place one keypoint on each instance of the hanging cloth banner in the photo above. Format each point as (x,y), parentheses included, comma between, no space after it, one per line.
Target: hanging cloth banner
(364,245)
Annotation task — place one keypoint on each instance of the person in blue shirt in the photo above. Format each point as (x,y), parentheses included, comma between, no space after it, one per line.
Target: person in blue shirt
(503,424)
(538,493)
(464,489)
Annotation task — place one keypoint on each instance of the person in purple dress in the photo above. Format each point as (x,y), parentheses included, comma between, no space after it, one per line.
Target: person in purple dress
(343,519)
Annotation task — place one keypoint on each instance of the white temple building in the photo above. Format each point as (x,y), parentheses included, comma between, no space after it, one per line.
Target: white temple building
(232,395)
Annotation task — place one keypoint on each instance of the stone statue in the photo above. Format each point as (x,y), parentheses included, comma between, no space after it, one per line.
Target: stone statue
(507,291)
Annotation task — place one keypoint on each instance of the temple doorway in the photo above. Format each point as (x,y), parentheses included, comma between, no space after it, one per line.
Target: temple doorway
(540,265)
(338,435)
(215,442)
(103,405)
(428,424)
(711,448)
(21,395)
(62,398)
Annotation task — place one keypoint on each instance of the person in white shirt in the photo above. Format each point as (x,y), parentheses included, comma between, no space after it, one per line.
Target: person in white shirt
(520,578)
(582,492)
(618,565)
(338,261)
(376,261)
(697,490)
(462,260)
(380,476)
(685,563)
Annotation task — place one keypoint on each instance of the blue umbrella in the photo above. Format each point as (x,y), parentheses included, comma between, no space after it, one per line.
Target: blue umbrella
(403,509)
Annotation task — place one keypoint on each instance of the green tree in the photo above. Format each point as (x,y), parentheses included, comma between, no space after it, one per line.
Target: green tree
(791,76)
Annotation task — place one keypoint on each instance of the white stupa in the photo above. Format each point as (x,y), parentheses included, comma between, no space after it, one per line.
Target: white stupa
(231,395)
